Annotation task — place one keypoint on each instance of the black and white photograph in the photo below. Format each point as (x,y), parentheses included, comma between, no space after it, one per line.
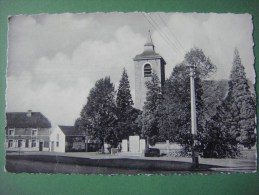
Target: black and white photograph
(130,93)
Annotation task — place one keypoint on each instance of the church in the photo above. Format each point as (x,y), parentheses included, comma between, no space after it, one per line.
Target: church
(146,63)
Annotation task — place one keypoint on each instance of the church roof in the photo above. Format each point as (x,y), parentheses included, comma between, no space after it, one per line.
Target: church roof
(147,55)
(149,51)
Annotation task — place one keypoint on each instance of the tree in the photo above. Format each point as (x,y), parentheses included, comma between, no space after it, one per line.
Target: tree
(127,115)
(176,106)
(214,91)
(176,124)
(234,120)
(241,104)
(149,120)
(98,117)
(124,99)
(204,67)
(219,140)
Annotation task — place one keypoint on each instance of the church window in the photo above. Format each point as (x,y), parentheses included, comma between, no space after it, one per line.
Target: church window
(147,70)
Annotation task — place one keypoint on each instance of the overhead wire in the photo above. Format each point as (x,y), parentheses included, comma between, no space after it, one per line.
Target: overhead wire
(166,36)
(162,36)
(172,33)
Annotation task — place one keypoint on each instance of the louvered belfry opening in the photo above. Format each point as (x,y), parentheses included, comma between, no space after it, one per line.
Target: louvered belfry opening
(147,70)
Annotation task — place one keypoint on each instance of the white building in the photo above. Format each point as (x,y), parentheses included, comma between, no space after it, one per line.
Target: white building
(66,139)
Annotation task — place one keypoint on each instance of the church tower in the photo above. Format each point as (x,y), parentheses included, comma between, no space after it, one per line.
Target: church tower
(146,63)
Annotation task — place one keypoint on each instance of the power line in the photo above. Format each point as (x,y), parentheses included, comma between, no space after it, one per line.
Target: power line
(161,34)
(155,28)
(168,38)
(179,43)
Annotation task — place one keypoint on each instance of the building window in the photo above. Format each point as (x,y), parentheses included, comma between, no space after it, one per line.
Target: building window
(10,143)
(19,143)
(57,137)
(34,132)
(147,70)
(11,132)
(33,143)
(57,144)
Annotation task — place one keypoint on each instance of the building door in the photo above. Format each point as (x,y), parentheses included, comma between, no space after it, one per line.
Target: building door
(52,147)
(41,146)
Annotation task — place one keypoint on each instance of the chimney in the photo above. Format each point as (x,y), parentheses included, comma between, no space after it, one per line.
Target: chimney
(29,113)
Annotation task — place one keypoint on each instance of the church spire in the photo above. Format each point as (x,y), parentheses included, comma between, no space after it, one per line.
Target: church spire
(149,43)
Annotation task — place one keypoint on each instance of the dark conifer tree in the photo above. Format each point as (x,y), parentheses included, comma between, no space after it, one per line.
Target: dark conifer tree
(127,115)
(234,121)
(124,100)
(241,104)
(220,138)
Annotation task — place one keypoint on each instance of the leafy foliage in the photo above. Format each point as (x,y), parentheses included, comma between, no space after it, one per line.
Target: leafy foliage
(127,115)
(176,106)
(220,138)
(223,121)
(204,67)
(105,118)
(149,120)
(98,117)
(234,120)
(176,123)
(214,91)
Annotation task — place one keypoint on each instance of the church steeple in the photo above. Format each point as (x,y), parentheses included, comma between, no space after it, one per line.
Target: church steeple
(149,46)
(146,63)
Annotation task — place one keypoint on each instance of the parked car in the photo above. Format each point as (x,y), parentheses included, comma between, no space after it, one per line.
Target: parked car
(152,152)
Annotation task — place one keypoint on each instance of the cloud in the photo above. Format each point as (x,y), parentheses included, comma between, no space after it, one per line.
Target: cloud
(31,37)
(54,60)
(58,85)
(61,105)
(92,59)
(217,35)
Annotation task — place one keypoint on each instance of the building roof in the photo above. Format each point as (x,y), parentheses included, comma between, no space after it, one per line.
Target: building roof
(70,130)
(23,120)
(148,55)
(149,51)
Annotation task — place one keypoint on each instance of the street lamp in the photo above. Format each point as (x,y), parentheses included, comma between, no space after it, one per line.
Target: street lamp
(195,159)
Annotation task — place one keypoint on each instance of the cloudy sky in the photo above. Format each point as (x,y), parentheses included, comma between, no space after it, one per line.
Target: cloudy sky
(54,60)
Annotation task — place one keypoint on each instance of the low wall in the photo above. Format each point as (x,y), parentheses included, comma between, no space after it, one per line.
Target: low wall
(164,146)
(26,149)
(145,164)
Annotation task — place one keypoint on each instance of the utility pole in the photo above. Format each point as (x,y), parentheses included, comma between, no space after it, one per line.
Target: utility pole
(195,155)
